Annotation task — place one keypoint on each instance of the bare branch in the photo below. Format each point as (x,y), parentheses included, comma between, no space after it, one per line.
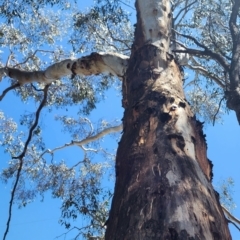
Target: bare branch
(31,56)
(233,224)
(210,25)
(185,10)
(20,158)
(207,52)
(79,229)
(99,135)
(206,73)
(94,64)
(117,39)
(8,89)
(86,140)
(127,5)
(230,215)
(9,59)
(219,106)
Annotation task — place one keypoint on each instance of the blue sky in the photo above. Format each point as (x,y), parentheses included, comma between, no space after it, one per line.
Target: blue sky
(39,220)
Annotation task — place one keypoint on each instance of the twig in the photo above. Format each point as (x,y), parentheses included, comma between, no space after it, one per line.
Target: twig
(185,10)
(79,229)
(233,224)
(219,106)
(35,123)
(20,158)
(8,89)
(37,90)
(207,52)
(207,74)
(98,135)
(46,51)
(127,5)
(9,59)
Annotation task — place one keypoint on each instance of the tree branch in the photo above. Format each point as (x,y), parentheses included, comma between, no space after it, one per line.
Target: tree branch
(207,52)
(86,140)
(185,10)
(207,74)
(95,63)
(8,89)
(230,215)
(21,156)
(219,106)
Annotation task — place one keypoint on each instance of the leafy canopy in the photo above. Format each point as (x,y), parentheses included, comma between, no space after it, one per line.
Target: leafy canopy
(35,34)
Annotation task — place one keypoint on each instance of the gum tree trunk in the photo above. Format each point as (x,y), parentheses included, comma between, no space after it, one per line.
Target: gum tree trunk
(163,178)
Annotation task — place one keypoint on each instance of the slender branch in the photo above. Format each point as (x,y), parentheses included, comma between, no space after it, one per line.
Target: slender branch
(230,215)
(207,52)
(207,74)
(118,40)
(185,10)
(98,135)
(42,104)
(9,59)
(29,57)
(127,5)
(86,140)
(20,158)
(79,229)
(103,38)
(219,106)
(233,224)
(36,89)
(8,89)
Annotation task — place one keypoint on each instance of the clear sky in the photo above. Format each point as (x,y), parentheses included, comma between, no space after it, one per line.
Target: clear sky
(39,220)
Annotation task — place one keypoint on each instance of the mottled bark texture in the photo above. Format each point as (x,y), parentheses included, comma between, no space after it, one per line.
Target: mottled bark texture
(163,178)
(93,64)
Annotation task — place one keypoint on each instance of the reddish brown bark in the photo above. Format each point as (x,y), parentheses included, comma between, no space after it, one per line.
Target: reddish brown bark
(162,188)
(163,177)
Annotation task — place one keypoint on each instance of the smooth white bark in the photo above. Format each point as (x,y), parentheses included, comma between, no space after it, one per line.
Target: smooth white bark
(87,140)
(154,16)
(96,63)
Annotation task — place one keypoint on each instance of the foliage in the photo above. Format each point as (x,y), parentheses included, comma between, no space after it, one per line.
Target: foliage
(51,35)
(203,26)
(226,193)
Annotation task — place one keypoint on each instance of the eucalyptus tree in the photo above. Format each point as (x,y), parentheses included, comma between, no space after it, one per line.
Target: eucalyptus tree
(163,184)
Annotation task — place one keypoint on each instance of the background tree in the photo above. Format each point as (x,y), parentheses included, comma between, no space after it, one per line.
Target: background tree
(81,189)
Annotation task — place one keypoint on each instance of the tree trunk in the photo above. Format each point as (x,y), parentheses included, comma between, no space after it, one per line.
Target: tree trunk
(163,178)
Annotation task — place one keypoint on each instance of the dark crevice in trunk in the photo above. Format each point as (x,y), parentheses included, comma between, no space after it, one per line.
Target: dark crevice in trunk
(163,186)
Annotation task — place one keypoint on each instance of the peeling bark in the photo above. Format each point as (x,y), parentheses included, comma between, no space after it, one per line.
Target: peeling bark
(163,184)
(94,64)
